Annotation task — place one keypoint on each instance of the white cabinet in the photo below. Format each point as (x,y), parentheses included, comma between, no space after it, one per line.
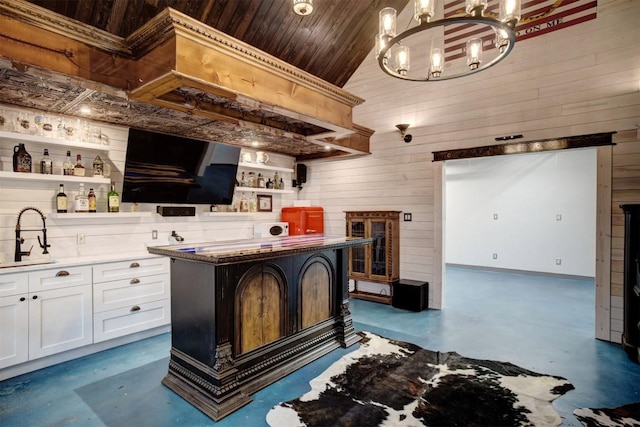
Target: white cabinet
(14,321)
(130,297)
(44,312)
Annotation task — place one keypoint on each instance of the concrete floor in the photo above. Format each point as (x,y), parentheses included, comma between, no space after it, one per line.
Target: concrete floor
(539,323)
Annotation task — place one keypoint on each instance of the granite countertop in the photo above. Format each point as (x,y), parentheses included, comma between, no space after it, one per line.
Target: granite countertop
(256,249)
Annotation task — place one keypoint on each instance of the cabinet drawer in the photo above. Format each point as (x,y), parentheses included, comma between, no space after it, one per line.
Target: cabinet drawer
(123,321)
(130,269)
(129,292)
(14,284)
(57,278)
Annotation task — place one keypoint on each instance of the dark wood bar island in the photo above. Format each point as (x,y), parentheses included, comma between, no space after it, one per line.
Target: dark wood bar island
(247,313)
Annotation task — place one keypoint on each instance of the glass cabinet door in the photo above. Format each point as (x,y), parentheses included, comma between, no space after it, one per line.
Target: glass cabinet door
(358,254)
(378,248)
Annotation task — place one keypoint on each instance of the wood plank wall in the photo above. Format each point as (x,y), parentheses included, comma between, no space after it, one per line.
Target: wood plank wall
(625,188)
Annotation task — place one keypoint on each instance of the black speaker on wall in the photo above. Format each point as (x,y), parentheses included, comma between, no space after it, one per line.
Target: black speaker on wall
(301,176)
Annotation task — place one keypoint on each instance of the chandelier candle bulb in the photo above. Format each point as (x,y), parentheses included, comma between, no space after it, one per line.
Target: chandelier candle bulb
(474,53)
(437,62)
(475,7)
(424,10)
(402,60)
(387,23)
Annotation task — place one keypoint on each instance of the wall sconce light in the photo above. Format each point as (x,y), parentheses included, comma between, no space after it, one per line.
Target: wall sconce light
(403,131)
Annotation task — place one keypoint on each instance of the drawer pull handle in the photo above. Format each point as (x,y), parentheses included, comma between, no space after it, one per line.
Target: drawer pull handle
(134,265)
(22,298)
(34,297)
(135,308)
(135,281)
(62,273)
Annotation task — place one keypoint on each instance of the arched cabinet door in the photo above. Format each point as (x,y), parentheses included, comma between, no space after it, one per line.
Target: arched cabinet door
(260,303)
(316,292)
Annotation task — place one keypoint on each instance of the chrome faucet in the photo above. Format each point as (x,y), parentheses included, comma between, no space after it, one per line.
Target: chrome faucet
(20,240)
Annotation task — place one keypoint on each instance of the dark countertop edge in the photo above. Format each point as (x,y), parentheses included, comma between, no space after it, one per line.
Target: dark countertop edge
(235,258)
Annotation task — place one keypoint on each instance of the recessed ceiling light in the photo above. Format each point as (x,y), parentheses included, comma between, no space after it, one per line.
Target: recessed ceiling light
(85,110)
(255,144)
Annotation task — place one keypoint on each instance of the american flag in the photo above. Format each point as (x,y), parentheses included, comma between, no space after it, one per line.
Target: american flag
(538,17)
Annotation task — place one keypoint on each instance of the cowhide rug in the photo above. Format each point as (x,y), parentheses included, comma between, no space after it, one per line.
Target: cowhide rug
(393,383)
(622,416)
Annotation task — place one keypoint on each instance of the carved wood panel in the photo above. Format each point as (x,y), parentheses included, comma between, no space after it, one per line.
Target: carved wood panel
(260,306)
(316,289)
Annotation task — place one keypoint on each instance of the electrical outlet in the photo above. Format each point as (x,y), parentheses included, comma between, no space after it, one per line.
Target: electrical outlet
(558,261)
(495,256)
(407,217)
(154,234)
(80,238)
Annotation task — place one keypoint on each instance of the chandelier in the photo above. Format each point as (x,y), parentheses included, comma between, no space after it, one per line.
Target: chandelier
(393,50)
(303,7)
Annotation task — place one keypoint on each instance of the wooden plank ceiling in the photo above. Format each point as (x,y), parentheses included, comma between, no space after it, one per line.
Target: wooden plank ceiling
(330,43)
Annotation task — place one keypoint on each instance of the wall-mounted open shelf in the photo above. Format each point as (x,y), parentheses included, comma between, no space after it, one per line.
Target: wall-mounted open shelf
(262,166)
(39,139)
(22,176)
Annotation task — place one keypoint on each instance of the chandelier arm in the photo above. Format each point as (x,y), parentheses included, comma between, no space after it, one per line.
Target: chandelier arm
(508,29)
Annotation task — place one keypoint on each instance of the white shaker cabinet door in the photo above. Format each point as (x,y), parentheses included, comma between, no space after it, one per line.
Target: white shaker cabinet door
(60,320)
(14,332)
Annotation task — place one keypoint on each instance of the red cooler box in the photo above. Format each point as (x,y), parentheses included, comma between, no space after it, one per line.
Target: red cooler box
(304,219)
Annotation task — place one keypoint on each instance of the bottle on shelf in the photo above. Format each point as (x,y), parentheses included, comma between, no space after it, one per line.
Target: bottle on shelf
(113,199)
(82,201)
(253,203)
(251,179)
(276,181)
(244,204)
(261,183)
(243,180)
(98,166)
(61,200)
(281,186)
(78,168)
(67,166)
(93,203)
(269,184)
(46,164)
(21,159)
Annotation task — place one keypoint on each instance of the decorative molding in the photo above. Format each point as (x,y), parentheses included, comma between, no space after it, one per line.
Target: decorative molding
(170,22)
(46,20)
(565,143)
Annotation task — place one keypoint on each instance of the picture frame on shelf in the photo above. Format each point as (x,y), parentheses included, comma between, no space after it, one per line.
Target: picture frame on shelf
(265,203)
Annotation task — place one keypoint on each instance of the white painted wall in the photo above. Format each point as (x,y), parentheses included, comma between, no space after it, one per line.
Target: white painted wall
(545,204)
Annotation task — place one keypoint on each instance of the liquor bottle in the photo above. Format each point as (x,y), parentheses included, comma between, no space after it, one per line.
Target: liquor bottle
(281,186)
(61,200)
(276,181)
(269,184)
(243,180)
(261,183)
(98,166)
(113,199)
(253,203)
(244,204)
(67,167)
(46,164)
(78,168)
(92,201)
(21,159)
(82,201)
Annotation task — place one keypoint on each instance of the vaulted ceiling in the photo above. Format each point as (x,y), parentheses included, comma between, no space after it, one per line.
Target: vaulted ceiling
(330,43)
